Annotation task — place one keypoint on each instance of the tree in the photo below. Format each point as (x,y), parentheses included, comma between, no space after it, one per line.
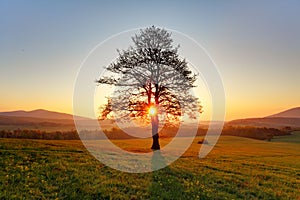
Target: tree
(151,80)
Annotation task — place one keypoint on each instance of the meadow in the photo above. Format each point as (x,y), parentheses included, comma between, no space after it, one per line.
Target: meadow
(294,138)
(237,168)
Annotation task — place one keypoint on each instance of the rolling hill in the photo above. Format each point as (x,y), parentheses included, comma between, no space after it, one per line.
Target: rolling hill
(45,120)
(291,113)
(41,114)
(288,118)
(49,120)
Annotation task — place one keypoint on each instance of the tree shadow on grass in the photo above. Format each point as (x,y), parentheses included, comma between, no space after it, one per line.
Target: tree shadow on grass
(165,183)
(168,183)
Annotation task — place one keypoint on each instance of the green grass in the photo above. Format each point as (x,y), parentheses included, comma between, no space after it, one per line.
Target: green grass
(294,138)
(237,168)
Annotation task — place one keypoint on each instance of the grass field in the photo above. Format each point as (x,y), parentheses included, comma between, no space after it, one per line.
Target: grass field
(237,168)
(294,138)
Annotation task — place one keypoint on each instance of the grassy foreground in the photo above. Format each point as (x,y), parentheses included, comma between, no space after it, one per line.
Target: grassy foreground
(237,168)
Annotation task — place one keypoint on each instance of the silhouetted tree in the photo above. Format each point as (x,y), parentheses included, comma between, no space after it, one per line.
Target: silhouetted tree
(151,79)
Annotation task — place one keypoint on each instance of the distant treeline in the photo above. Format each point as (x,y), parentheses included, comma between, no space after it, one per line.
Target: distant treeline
(37,134)
(255,132)
(240,131)
(115,133)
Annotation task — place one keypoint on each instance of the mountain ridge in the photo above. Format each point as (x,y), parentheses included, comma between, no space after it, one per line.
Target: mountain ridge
(290,113)
(38,116)
(287,118)
(42,114)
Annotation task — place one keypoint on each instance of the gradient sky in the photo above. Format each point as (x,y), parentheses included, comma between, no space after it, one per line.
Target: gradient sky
(255,45)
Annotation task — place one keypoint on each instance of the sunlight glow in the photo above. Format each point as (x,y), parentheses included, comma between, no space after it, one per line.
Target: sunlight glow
(152,111)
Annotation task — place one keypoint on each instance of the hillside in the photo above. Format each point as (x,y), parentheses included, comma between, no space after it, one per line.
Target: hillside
(291,113)
(46,121)
(40,114)
(237,168)
(52,121)
(290,118)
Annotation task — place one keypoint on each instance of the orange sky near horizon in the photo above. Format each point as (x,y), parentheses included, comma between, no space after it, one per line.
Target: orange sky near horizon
(236,107)
(244,111)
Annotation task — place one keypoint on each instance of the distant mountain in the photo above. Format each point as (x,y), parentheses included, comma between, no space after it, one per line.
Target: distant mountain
(286,118)
(269,122)
(40,114)
(44,120)
(291,113)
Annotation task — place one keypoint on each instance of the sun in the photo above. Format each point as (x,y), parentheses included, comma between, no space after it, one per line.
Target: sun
(152,110)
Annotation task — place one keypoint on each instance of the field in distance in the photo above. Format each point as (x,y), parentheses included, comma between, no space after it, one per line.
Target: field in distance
(237,168)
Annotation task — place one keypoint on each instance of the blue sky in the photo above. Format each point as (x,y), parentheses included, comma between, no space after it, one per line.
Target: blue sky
(255,45)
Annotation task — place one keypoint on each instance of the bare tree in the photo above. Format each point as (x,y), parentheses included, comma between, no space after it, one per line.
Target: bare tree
(151,80)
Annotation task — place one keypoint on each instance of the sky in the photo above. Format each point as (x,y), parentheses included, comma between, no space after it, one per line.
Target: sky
(255,45)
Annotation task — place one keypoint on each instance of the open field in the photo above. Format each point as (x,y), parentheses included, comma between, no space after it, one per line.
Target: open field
(237,168)
(294,138)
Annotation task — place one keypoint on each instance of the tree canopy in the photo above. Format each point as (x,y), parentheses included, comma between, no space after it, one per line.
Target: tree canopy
(151,73)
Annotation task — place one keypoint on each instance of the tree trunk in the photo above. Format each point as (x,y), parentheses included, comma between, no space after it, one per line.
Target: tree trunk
(154,123)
